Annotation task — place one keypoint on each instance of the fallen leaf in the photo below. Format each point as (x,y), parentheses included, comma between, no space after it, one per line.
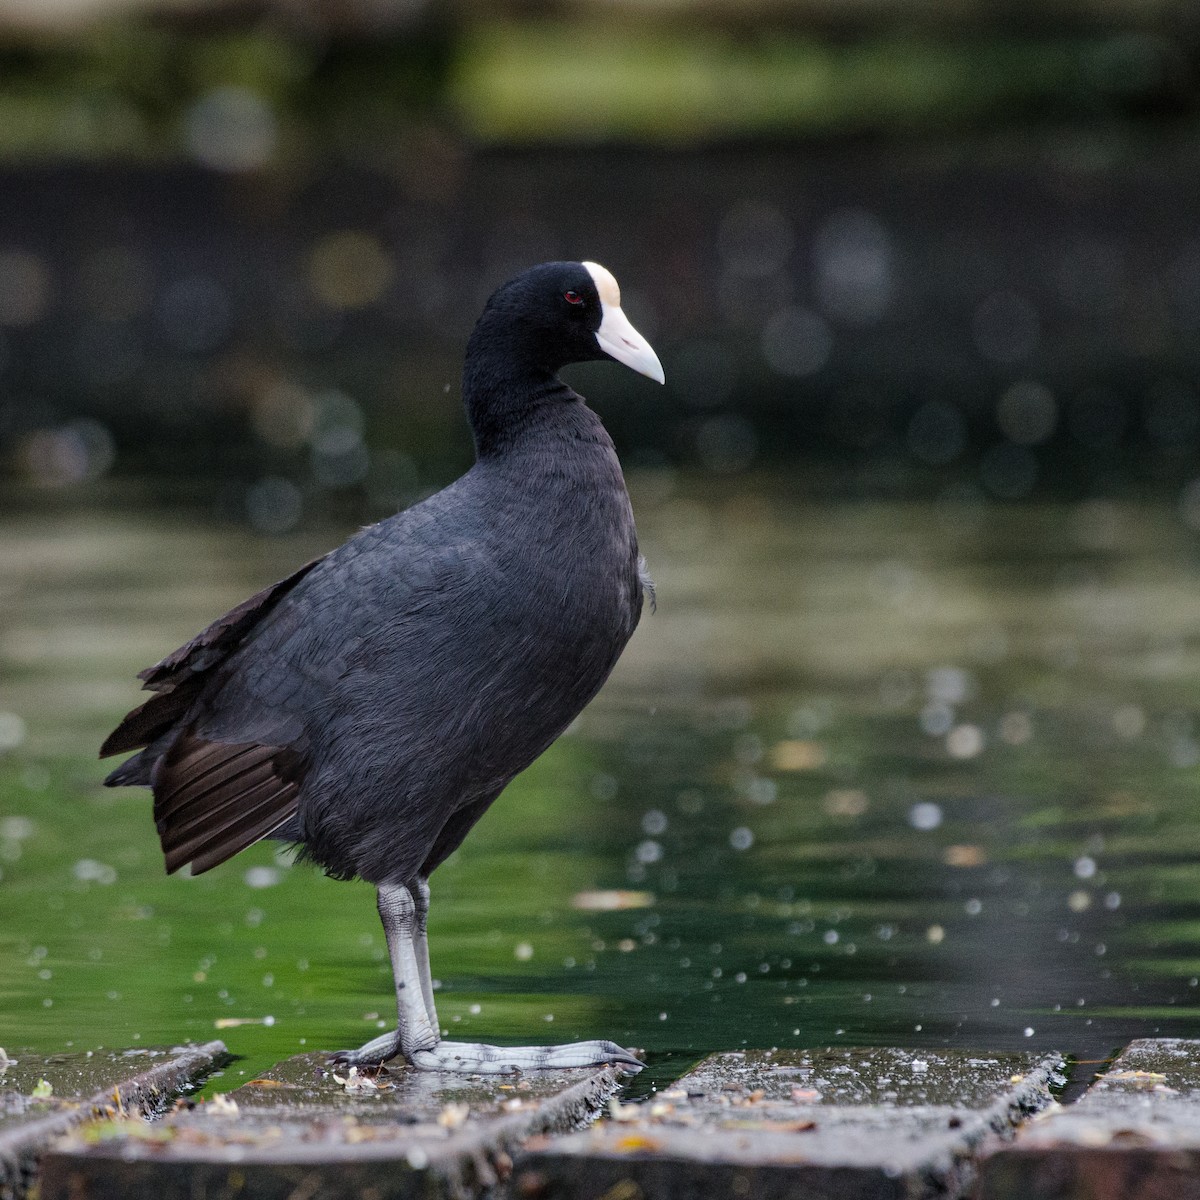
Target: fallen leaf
(766,1125)
(454,1116)
(964,856)
(222,1106)
(1141,1078)
(611,900)
(357,1084)
(796,755)
(632,1142)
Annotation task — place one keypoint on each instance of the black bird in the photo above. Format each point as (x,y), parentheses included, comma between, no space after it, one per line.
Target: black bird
(373,704)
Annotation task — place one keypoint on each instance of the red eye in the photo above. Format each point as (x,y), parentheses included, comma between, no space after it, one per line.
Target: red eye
(572,297)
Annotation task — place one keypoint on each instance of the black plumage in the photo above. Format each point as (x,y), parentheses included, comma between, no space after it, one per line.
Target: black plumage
(371,706)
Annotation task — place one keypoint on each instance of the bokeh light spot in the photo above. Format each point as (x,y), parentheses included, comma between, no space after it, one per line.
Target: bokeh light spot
(796,342)
(1027,413)
(755,239)
(349,269)
(853,259)
(231,129)
(26,288)
(274,505)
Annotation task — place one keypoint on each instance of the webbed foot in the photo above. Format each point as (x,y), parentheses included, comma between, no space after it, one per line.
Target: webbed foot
(474,1058)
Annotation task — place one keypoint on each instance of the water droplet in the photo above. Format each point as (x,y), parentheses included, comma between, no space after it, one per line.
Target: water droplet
(231,129)
(936,719)
(925,816)
(796,342)
(654,822)
(965,741)
(261,877)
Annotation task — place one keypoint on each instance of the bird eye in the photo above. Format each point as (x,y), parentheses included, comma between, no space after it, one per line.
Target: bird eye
(572,297)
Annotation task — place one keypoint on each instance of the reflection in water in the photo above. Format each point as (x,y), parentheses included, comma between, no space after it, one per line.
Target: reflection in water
(902,773)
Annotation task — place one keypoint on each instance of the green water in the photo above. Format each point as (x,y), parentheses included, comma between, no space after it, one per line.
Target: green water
(874,773)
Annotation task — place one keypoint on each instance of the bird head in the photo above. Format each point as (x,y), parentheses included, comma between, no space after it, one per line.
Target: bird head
(565,312)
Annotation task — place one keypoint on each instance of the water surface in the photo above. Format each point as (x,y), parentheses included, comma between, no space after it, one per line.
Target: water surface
(874,773)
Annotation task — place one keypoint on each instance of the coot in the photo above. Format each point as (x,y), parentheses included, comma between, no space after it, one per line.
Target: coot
(370,706)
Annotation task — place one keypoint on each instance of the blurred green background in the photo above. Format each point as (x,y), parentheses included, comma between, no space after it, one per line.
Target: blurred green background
(244,242)
(909,752)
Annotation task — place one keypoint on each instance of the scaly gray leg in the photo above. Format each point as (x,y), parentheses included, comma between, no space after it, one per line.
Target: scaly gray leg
(404,911)
(415,1030)
(421,942)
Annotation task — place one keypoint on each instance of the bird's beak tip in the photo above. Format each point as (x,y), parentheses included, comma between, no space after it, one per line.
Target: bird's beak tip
(620,341)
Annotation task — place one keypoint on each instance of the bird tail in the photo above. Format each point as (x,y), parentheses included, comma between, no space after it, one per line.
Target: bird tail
(133,771)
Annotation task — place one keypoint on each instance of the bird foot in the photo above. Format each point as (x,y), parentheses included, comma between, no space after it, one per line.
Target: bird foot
(372,1054)
(473,1058)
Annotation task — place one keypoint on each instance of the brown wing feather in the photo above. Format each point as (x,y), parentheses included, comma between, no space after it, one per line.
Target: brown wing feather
(212,799)
(249,831)
(208,805)
(240,825)
(191,779)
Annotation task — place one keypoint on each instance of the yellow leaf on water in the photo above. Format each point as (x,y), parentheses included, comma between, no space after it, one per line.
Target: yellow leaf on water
(796,755)
(611,900)
(964,856)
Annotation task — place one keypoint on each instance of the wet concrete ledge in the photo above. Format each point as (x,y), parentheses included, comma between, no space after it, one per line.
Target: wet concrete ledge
(841,1123)
(307,1130)
(1134,1135)
(42,1097)
(834,1124)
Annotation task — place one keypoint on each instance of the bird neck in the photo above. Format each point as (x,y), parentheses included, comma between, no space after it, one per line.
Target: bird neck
(512,398)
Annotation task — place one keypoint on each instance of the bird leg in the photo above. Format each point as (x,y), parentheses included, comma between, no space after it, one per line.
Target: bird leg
(404,911)
(420,893)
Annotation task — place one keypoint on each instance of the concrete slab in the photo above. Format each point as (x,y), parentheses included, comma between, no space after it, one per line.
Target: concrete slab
(307,1130)
(1134,1134)
(838,1124)
(43,1096)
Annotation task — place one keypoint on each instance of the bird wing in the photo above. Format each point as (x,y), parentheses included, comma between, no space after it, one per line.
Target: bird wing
(212,797)
(209,647)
